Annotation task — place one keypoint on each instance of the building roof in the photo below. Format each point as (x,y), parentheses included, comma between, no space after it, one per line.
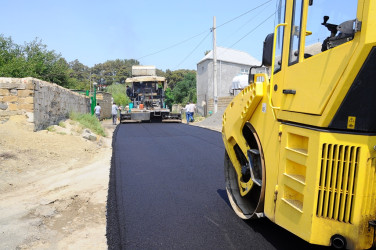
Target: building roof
(233,56)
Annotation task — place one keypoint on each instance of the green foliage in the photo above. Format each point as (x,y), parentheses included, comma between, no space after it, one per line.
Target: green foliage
(51,129)
(185,90)
(169,97)
(79,75)
(62,124)
(173,77)
(118,92)
(33,59)
(113,71)
(88,121)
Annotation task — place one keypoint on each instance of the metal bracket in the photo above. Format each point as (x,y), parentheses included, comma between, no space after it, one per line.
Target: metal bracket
(358,25)
(254,165)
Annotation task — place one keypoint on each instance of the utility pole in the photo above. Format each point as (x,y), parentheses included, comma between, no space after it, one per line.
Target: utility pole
(215,93)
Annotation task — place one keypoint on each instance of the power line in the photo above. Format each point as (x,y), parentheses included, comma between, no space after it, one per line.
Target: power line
(249,20)
(172,46)
(243,14)
(199,34)
(193,50)
(252,30)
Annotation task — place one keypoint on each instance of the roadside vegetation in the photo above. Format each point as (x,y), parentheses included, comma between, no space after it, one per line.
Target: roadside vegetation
(118,92)
(33,59)
(88,121)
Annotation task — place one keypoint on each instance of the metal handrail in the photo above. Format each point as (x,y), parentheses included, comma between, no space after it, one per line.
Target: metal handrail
(272,69)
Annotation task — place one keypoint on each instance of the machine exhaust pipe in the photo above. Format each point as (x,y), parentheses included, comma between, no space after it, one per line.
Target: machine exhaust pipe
(338,242)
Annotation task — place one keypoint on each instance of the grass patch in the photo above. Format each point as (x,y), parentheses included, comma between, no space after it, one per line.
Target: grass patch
(51,129)
(62,124)
(61,133)
(88,121)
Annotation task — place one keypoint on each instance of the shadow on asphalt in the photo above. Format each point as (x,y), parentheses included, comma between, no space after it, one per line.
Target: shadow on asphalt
(279,237)
(274,234)
(223,194)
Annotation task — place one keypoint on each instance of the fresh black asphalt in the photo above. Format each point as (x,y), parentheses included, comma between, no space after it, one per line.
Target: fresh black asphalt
(166,191)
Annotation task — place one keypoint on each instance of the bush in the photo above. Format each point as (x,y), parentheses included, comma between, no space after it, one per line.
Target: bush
(118,92)
(88,121)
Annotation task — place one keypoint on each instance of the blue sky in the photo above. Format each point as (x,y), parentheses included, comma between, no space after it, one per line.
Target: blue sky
(95,31)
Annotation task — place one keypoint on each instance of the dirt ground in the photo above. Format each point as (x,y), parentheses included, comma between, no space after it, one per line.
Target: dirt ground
(53,187)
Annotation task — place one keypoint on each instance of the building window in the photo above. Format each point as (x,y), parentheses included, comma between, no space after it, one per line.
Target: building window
(244,71)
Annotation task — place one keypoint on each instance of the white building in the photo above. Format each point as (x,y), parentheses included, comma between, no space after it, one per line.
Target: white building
(230,63)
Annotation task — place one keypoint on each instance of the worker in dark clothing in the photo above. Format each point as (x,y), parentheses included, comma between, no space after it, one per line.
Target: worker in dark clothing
(129,92)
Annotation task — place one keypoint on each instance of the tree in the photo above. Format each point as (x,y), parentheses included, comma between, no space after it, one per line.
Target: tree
(44,64)
(79,75)
(169,97)
(173,77)
(33,59)
(113,71)
(118,92)
(12,61)
(185,90)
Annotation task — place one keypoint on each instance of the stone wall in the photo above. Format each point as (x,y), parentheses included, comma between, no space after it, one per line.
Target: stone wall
(16,98)
(105,101)
(223,102)
(43,103)
(53,103)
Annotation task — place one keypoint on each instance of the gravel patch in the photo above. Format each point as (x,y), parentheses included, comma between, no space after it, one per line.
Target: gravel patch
(213,122)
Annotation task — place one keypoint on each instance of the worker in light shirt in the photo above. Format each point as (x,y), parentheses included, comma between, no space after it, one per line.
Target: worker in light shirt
(114,112)
(191,110)
(186,109)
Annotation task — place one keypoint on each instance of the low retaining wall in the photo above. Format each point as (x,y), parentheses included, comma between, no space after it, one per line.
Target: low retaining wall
(105,101)
(53,103)
(16,98)
(43,103)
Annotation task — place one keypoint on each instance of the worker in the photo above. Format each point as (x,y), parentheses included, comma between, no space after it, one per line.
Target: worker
(186,109)
(191,109)
(129,92)
(114,113)
(97,111)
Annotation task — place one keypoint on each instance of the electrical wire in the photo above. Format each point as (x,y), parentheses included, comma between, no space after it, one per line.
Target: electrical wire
(172,46)
(243,14)
(252,30)
(248,21)
(193,50)
(199,34)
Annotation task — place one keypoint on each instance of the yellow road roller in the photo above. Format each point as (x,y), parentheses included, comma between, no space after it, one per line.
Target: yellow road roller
(301,141)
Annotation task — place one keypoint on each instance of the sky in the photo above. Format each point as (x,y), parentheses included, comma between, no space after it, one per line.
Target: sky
(168,34)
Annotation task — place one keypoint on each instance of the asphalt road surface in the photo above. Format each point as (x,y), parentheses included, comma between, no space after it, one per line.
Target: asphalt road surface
(166,191)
